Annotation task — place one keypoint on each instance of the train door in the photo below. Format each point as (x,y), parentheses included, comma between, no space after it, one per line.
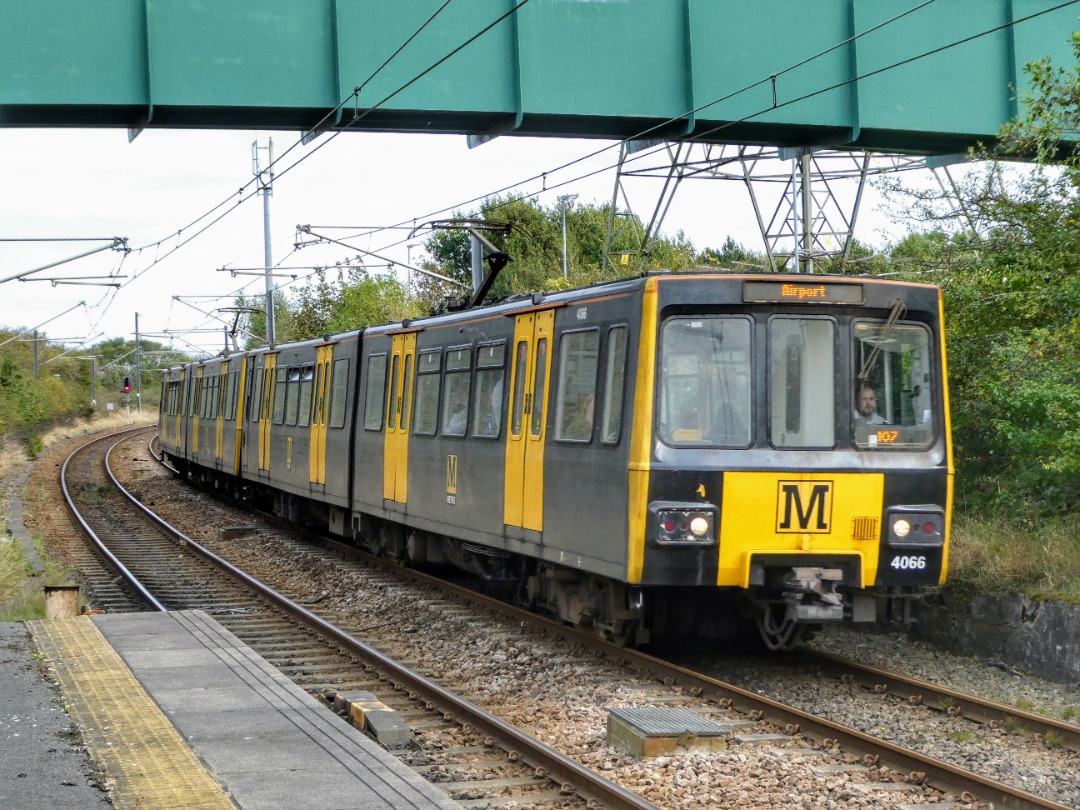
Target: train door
(195,410)
(239,413)
(266,410)
(219,401)
(523,497)
(398,412)
(320,408)
(181,390)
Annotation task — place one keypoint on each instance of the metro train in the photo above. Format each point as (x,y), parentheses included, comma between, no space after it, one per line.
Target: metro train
(665,456)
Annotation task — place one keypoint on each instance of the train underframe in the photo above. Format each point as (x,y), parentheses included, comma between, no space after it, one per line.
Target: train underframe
(788,605)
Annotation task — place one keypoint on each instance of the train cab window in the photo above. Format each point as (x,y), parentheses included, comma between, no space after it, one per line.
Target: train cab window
(892,401)
(614,384)
(705,381)
(303,407)
(426,403)
(376,387)
(279,397)
(488,405)
(455,404)
(339,388)
(802,388)
(576,404)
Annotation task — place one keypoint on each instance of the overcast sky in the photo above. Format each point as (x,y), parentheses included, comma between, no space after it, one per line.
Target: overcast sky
(67,184)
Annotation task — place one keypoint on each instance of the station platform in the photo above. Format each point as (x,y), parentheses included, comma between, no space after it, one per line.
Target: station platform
(178,712)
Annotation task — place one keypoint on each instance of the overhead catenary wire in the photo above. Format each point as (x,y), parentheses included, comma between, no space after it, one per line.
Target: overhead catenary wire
(639,136)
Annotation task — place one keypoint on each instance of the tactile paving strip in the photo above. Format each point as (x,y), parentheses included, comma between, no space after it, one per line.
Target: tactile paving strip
(146,760)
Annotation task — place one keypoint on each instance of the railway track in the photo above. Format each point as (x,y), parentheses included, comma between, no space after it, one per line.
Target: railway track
(752,718)
(489,762)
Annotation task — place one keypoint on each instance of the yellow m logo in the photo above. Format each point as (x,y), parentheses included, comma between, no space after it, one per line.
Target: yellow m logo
(804,507)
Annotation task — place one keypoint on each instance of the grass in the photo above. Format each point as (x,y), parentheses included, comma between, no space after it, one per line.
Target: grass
(1040,561)
(22,593)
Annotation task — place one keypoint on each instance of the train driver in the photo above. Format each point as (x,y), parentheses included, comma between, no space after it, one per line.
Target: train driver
(866,406)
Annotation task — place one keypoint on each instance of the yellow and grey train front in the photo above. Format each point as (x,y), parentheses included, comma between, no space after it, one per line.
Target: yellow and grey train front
(791,449)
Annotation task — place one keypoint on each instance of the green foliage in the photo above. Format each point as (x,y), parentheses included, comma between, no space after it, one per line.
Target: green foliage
(34,445)
(1008,260)
(1052,114)
(534,243)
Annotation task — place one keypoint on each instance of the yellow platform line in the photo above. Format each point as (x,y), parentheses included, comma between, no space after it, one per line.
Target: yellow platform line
(146,761)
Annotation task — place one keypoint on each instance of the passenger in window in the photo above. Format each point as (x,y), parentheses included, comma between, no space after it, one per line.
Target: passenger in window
(456,425)
(866,406)
(581,423)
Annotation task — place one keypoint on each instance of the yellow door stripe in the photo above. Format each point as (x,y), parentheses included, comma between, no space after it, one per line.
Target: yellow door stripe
(948,446)
(641,436)
(241,391)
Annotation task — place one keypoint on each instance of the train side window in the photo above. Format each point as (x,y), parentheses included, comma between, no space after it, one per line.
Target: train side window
(215,400)
(279,397)
(303,407)
(339,389)
(254,393)
(539,396)
(575,408)
(455,405)
(521,366)
(376,388)
(426,404)
(292,394)
(802,390)
(487,415)
(392,394)
(614,385)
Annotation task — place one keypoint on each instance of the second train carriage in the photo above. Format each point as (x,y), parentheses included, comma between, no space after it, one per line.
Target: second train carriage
(628,456)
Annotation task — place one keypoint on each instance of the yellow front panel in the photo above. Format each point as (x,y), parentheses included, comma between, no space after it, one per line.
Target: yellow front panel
(641,437)
(778,512)
(219,437)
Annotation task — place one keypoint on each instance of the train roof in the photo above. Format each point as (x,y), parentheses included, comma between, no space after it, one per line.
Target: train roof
(526,301)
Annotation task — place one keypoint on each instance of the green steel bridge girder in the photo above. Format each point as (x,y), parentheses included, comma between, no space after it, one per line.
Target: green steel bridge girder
(838,73)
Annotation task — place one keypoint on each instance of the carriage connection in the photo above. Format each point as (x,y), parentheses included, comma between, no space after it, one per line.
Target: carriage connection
(675,454)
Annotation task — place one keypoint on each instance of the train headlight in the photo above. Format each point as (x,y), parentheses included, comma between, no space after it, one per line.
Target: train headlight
(916,526)
(685,524)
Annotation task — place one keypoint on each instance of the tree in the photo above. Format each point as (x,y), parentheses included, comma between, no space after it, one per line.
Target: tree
(1012,301)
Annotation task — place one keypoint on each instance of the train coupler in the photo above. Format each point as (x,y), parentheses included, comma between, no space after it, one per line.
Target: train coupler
(811,594)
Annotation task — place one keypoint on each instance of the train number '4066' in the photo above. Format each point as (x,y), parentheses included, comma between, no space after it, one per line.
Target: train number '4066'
(905,562)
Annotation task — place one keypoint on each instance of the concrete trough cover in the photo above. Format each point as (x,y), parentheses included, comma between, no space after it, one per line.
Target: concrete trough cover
(654,732)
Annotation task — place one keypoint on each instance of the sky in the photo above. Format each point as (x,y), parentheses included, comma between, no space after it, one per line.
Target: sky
(58,184)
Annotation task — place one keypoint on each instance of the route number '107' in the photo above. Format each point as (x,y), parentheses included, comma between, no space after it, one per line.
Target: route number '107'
(908,563)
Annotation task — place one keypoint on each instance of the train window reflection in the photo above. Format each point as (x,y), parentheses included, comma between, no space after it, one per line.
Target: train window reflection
(892,401)
(376,387)
(705,381)
(802,390)
(455,413)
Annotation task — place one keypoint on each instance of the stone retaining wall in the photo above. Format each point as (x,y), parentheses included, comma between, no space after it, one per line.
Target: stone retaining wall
(1037,637)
